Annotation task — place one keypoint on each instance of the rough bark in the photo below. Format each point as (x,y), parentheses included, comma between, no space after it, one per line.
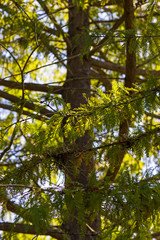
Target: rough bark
(76,86)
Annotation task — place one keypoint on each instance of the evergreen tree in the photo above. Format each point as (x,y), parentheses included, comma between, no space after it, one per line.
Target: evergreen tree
(79,127)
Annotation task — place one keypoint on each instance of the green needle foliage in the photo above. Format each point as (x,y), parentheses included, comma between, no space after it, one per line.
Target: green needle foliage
(80,119)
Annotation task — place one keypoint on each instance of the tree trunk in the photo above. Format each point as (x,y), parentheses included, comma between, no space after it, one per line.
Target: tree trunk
(76,85)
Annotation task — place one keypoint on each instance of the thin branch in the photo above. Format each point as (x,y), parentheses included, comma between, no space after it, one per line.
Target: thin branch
(46,65)
(14,123)
(27,113)
(128,143)
(53,50)
(22,102)
(103,41)
(34,25)
(10,143)
(12,56)
(43,15)
(147,61)
(30,55)
(58,27)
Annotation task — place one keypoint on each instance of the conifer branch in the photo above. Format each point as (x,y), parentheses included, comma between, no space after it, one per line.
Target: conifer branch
(148,60)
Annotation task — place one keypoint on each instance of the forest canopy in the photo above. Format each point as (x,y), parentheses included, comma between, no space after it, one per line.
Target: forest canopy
(79,119)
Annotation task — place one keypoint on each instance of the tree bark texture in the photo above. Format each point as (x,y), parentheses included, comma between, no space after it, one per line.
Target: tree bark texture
(76,92)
